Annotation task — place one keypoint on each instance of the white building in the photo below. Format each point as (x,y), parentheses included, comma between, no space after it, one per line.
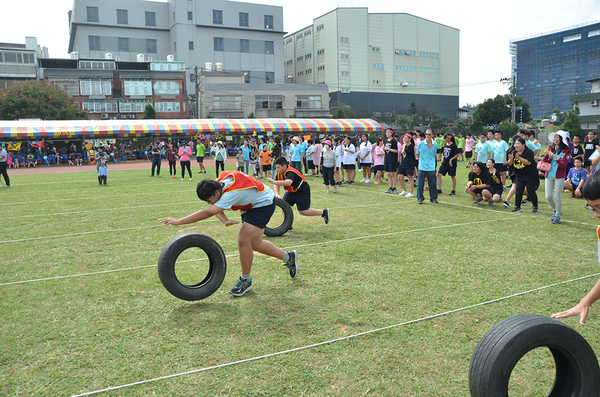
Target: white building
(377,63)
(589,106)
(243,37)
(18,62)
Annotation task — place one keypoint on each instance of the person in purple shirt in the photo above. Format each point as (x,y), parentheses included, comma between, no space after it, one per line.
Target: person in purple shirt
(575,179)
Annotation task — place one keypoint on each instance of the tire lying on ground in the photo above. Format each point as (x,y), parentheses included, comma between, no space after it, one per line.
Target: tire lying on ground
(577,371)
(286,224)
(208,283)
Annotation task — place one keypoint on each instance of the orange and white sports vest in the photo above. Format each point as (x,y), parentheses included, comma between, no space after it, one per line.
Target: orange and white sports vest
(281,177)
(241,181)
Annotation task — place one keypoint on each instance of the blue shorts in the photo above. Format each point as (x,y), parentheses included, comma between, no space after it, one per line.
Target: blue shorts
(390,167)
(406,171)
(302,202)
(259,216)
(200,159)
(501,167)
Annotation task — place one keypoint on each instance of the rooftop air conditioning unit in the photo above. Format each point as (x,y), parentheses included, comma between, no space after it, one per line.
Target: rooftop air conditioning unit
(104,116)
(132,116)
(594,102)
(405,84)
(123,116)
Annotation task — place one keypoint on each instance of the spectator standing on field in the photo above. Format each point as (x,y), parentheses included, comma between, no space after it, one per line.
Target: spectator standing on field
(450,153)
(316,155)
(328,166)
(469,142)
(390,161)
(172,159)
(461,145)
(3,165)
(349,160)
(220,154)
(427,151)
(523,161)
(500,148)
(156,159)
(200,153)
(407,166)
(378,156)
(483,150)
(184,153)
(366,158)
(558,155)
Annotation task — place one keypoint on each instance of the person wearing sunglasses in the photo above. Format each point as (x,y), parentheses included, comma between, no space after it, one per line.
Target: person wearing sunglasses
(591,192)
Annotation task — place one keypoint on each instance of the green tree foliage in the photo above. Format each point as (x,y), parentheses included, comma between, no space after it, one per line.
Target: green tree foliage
(508,129)
(251,115)
(572,122)
(344,112)
(560,116)
(412,109)
(494,111)
(437,122)
(149,112)
(476,126)
(38,100)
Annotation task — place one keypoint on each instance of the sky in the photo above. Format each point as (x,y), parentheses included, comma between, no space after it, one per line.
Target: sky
(486,28)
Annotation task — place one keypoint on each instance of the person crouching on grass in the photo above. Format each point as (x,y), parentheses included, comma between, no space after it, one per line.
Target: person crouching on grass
(297,189)
(591,192)
(236,191)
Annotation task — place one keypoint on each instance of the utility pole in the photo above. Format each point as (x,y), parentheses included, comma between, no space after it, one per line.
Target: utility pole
(196,113)
(513,91)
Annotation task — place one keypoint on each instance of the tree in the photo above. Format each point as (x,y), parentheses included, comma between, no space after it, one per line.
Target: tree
(437,122)
(38,100)
(426,113)
(343,112)
(572,122)
(476,126)
(149,112)
(508,129)
(494,111)
(412,109)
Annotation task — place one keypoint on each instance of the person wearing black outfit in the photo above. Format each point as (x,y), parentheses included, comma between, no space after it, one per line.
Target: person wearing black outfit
(450,153)
(590,146)
(156,158)
(522,159)
(390,161)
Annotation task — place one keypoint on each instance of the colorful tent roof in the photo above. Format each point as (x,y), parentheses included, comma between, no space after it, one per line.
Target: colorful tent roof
(29,129)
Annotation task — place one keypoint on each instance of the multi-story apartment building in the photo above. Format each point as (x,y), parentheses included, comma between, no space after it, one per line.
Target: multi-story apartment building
(377,63)
(242,37)
(551,67)
(111,89)
(18,62)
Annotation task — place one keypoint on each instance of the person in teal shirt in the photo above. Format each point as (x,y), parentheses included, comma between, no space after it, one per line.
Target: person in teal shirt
(427,152)
(200,152)
(483,150)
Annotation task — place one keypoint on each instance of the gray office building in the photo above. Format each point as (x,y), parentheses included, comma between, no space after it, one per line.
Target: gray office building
(224,35)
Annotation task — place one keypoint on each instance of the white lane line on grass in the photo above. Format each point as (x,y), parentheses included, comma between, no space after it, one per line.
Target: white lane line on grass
(94,197)
(78,234)
(433,316)
(286,248)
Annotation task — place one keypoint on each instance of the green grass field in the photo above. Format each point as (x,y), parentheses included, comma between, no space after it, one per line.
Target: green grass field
(83,309)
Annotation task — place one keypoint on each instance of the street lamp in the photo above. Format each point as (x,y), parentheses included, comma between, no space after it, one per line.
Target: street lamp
(511,81)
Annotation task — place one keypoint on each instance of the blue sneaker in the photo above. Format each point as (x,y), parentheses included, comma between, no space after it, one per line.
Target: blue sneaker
(292,263)
(241,287)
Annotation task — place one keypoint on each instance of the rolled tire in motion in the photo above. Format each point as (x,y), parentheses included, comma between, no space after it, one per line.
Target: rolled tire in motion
(577,371)
(209,284)
(288,219)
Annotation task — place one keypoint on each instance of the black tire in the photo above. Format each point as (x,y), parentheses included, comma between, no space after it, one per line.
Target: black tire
(210,282)
(577,371)
(288,219)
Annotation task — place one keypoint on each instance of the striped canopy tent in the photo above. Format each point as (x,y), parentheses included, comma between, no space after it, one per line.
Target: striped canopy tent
(30,129)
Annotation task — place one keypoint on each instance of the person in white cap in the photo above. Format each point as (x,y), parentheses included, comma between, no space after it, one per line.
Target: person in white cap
(558,155)
(296,154)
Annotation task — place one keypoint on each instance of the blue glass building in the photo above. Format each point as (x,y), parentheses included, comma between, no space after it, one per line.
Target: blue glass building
(552,66)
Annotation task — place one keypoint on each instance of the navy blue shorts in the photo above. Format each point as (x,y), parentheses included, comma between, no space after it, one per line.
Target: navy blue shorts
(259,216)
(390,167)
(406,171)
(349,166)
(302,202)
(501,167)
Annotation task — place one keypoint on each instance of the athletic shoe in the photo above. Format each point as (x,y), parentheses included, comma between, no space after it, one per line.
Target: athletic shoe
(150,175)
(535,210)
(292,263)
(490,204)
(409,195)
(403,193)
(434,201)
(440,191)
(506,204)
(516,209)
(389,190)
(325,215)
(419,201)
(182,179)
(571,196)
(394,191)
(367,180)
(363,180)
(556,220)
(553,216)
(241,287)
(477,201)
(524,202)
(190,179)
(377,183)
(452,193)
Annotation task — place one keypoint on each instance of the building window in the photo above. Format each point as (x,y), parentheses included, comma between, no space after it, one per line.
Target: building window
(218,43)
(150,18)
(405,52)
(299,36)
(308,71)
(428,70)
(376,81)
(95,87)
(428,54)
(217,17)
(320,27)
(133,106)
(268,102)
(321,52)
(307,32)
(594,33)
(321,68)
(16,57)
(268,21)
(376,49)
(138,87)
(428,85)
(407,68)
(308,102)
(288,41)
(307,56)
(106,65)
(571,38)
(288,63)
(190,45)
(269,47)
(345,73)
(345,90)
(122,18)
(299,59)
(92,14)
(345,39)
(167,107)
(94,43)
(101,106)
(378,66)
(244,45)
(151,46)
(123,44)
(345,56)
(270,77)
(227,102)
(167,88)
(175,46)
(244,19)
(301,73)
(190,16)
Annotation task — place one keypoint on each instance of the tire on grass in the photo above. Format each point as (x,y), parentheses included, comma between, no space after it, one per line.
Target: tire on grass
(210,282)
(577,371)
(288,219)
